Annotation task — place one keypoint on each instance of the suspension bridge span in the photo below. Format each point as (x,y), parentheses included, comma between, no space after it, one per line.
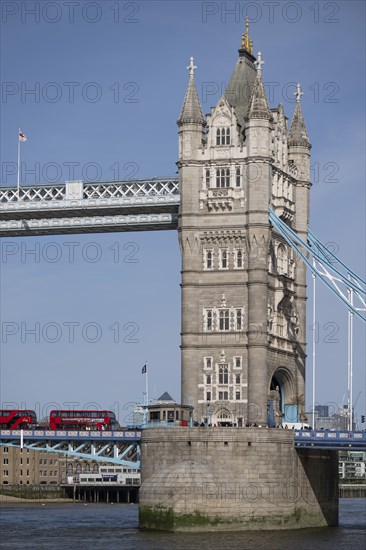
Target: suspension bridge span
(92,207)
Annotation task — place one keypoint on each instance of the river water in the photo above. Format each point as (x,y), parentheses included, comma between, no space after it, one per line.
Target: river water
(115,526)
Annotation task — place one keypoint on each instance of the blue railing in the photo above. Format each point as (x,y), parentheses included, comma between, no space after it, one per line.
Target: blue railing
(329,439)
(62,435)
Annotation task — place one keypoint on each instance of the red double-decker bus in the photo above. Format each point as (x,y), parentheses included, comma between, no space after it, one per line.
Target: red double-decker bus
(17,419)
(82,420)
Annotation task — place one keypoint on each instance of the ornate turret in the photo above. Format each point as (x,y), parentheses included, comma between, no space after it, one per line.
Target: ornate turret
(191,111)
(258,105)
(298,134)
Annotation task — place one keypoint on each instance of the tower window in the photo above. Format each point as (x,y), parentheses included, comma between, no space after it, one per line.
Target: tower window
(239,258)
(237,379)
(218,136)
(208,259)
(208,379)
(224,374)
(208,396)
(208,362)
(224,320)
(238,177)
(237,362)
(223,177)
(237,395)
(209,320)
(239,319)
(223,395)
(224,263)
(207,178)
(223,136)
(227,136)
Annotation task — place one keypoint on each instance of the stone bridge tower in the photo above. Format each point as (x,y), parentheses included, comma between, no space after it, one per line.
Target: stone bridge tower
(243,289)
(243,325)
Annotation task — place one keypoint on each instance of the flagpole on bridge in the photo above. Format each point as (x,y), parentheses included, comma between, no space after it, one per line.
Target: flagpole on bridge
(350,361)
(21,137)
(146,394)
(146,388)
(18,180)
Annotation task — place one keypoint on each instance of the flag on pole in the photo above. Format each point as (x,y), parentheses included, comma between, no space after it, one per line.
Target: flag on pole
(144,369)
(22,137)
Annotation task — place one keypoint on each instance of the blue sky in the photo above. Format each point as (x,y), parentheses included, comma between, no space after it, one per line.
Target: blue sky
(109,80)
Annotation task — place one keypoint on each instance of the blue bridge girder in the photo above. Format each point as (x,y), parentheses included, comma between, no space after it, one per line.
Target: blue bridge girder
(89,207)
(117,447)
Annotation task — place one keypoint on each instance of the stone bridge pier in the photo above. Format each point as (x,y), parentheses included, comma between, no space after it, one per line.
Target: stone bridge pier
(204,479)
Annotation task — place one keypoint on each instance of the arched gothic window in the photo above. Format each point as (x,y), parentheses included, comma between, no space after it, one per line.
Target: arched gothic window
(208,259)
(239,260)
(238,177)
(209,320)
(208,362)
(224,259)
(239,319)
(207,177)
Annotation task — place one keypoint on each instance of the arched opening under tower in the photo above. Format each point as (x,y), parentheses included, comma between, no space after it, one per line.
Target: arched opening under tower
(282,403)
(222,418)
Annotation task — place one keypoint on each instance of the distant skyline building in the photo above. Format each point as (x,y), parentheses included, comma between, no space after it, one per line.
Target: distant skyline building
(322,410)
(339,420)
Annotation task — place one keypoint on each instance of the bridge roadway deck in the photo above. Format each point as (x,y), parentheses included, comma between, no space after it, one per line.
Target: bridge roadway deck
(117,447)
(89,207)
(101,442)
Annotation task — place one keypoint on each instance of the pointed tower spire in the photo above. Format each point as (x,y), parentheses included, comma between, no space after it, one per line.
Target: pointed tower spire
(258,105)
(298,134)
(191,111)
(239,89)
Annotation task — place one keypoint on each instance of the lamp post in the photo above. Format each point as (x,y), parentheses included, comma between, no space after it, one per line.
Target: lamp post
(191,416)
(208,414)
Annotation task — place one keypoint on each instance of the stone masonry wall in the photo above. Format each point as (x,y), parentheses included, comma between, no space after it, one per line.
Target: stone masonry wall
(199,479)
